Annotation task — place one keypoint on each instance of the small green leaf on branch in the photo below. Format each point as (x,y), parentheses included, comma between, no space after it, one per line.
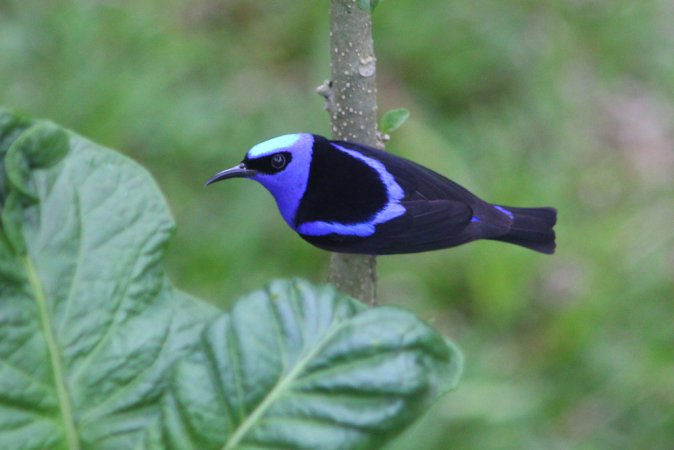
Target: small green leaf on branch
(393,119)
(368,5)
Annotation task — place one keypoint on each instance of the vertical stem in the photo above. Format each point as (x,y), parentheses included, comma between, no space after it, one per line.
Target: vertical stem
(352,104)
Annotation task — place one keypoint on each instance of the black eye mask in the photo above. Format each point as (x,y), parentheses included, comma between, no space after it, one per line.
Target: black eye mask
(269,164)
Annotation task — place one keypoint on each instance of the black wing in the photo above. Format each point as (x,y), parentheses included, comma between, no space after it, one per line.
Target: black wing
(418,182)
(438,213)
(426,225)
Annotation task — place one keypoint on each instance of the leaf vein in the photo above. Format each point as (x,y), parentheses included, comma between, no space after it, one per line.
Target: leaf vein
(26,375)
(136,379)
(80,255)
(67,415)
(114,323)
(245,426)
(236,367)
(212,370)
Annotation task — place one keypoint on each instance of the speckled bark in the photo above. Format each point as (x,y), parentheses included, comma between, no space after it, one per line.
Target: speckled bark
(351,100)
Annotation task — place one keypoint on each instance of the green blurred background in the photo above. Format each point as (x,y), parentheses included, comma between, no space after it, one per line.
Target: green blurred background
(567,103)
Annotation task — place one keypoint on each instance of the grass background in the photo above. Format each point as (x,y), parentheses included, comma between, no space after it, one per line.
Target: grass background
(565,103)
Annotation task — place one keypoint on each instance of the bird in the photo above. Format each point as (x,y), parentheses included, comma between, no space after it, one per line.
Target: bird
(347,197)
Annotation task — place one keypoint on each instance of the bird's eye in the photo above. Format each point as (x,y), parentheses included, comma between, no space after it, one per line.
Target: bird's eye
(278,161)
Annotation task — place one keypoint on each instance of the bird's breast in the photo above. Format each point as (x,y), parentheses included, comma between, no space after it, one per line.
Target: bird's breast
(346,193)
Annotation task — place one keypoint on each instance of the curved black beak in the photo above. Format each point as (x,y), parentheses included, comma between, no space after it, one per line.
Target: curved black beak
(240,171)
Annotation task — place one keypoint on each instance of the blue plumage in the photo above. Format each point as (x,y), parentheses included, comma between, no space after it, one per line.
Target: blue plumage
(352,198)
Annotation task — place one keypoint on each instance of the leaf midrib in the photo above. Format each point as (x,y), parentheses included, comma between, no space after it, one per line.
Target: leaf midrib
(65,406)
(273,395)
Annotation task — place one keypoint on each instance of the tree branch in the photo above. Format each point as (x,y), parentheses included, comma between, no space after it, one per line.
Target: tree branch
(351,101)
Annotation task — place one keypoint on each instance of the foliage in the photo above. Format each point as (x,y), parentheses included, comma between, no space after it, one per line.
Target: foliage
(90,324)
(92,328)
(393,119)
(302,368)
(367,5)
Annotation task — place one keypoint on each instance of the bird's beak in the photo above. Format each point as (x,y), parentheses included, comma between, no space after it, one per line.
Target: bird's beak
(240,171)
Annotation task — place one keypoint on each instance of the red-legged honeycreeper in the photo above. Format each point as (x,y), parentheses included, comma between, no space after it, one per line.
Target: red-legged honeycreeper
(351,198)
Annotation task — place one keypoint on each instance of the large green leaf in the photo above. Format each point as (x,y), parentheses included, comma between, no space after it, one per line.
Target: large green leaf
(99,351)
(298,367)
(89,325)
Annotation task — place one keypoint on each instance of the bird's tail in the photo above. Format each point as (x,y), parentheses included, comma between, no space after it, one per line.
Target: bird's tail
(532,228)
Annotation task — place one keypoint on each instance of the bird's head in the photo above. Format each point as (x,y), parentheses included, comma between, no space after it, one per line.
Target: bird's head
(281,165)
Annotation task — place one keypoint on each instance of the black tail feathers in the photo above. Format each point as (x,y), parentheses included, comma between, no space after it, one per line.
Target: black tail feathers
(532,228)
